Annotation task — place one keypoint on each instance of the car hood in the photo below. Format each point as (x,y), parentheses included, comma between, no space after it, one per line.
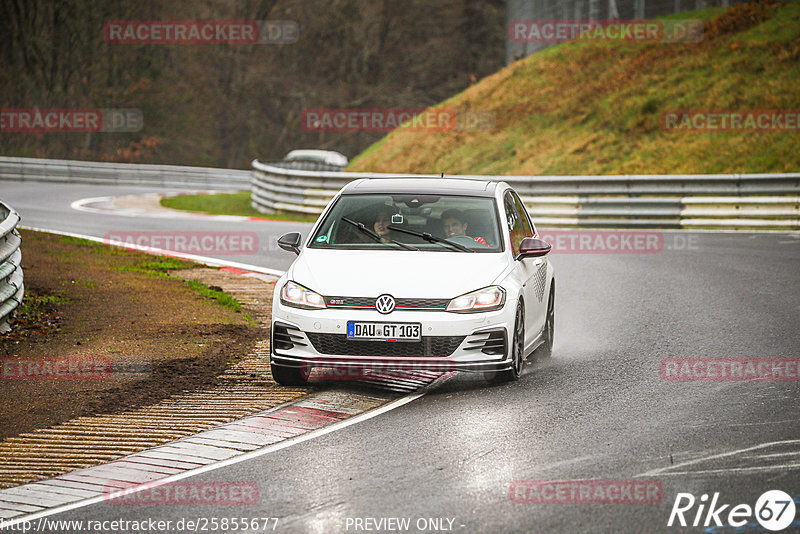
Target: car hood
(404,274)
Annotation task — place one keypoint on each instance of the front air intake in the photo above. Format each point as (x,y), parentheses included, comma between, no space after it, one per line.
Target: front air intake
(285,337)
(492,342)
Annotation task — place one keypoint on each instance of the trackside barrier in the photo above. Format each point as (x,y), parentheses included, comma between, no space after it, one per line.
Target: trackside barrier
(11,286)
(54,170)
(715,201)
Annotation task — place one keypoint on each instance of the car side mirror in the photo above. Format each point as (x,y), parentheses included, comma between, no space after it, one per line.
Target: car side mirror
(533,247)
(290,242)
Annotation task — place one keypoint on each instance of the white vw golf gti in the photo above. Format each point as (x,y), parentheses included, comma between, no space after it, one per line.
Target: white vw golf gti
(415,273)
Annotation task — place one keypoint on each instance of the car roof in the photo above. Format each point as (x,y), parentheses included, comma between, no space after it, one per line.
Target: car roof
(423,186)
(324,156)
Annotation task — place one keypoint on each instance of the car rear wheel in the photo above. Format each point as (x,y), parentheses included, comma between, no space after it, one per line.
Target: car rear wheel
(290,376)
(517,351)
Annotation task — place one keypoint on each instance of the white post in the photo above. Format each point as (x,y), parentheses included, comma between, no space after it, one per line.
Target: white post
(613,13)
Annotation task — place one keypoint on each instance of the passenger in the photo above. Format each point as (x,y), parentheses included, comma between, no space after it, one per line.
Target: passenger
(455,225)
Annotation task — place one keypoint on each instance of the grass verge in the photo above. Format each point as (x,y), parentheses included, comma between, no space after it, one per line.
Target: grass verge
(227,204)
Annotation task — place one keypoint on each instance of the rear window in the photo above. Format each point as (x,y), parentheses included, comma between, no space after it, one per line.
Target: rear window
(468,221)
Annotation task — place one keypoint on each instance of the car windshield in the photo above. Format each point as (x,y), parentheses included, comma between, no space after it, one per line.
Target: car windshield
(411,222)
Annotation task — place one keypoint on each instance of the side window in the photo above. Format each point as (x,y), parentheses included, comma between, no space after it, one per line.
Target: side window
(527,228)
(514,222)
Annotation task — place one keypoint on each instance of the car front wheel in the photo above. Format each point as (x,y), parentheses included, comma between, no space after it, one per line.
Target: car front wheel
(545,350)
(290,376)
(517,351)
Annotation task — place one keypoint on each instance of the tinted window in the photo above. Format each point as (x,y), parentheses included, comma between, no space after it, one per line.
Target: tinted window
(527,227)
(468,221)
(514,220)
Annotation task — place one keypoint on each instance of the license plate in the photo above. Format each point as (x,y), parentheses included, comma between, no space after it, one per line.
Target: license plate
(384,331)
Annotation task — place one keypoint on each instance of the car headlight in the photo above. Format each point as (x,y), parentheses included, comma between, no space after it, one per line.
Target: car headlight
(487,299)
(297,296)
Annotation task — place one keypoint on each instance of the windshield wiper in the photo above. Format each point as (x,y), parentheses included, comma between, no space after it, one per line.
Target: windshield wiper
(431,238)
(375,236)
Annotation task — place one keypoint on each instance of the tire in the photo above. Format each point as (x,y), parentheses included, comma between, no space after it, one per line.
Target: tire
(545,350)
(517,351)
(290,376)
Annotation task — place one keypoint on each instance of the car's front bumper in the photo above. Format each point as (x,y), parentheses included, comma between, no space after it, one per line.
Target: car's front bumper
(451,341)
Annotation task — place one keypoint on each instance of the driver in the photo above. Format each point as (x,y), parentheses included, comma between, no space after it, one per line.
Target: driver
(383,218)
(455,224)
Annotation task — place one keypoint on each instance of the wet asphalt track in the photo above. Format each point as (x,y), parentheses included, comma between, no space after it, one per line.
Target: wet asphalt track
(597,410)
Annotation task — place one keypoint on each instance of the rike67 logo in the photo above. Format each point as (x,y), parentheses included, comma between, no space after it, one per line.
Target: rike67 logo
(774,510)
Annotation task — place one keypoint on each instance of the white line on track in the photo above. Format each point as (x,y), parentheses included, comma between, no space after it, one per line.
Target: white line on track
(80,205)
(669,470)
(776,455)
(726,470)
(164,213)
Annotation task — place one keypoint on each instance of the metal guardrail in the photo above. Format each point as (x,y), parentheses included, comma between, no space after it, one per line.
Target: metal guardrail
(730,201)
(12,288)
(54,170)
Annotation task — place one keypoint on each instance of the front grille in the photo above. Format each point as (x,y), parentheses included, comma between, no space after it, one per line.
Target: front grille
(339,345)
(350,302)
(422,303)
(400,303)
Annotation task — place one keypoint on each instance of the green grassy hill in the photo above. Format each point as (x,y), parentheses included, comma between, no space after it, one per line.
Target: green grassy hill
(597,108)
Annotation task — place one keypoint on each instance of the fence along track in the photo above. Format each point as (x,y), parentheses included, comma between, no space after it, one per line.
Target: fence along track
(716,201)
(90,172)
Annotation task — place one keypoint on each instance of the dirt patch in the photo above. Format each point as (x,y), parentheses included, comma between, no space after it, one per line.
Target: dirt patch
(739,18)
(97,336)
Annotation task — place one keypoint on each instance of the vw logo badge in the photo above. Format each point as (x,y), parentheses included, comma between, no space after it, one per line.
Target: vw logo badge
(385,304)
